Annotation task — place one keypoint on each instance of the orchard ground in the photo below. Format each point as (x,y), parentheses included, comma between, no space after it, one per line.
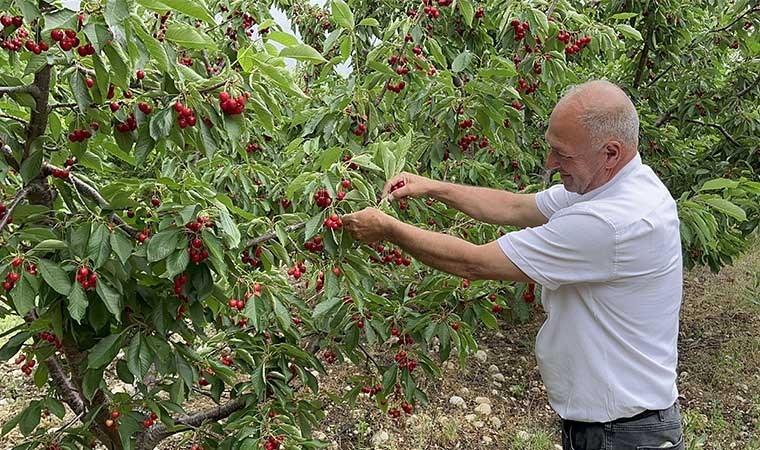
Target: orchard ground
(719,382)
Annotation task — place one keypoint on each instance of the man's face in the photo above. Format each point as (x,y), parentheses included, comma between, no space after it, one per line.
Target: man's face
(570,152)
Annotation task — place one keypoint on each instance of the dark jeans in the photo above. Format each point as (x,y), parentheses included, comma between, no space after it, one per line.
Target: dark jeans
(645,431)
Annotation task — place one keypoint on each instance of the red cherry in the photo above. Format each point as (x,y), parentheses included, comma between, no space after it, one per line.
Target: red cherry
(140,74)
(114,106)
(115,414)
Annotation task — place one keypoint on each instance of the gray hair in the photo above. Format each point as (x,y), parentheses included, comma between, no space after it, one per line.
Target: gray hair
(614,118)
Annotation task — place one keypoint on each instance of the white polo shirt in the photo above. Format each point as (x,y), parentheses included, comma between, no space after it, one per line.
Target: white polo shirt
(609,262)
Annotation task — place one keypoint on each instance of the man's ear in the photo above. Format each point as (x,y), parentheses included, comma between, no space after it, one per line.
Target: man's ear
(613,151)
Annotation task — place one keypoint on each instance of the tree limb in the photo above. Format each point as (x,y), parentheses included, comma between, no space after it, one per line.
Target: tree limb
(38,121)
(717,127)
(213,87)
(20,195)
(754,8)
(272,235)
(665,117)
(645,51)
(550,11)
(25,89)
(8,116)
(149,439)
(92,193)
(748,88)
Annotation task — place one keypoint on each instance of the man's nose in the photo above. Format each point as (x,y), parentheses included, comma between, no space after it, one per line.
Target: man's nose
(551,162)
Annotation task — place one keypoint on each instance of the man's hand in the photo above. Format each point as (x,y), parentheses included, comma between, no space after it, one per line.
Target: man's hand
(414,186)
(368,225)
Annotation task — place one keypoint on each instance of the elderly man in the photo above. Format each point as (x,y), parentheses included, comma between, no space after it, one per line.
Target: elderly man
(605,247)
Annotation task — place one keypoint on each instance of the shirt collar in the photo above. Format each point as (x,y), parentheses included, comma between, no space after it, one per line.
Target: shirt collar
(629,168)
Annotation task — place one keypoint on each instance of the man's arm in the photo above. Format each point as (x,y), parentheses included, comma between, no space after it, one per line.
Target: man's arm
(484,204)
(491,205)
(453,255)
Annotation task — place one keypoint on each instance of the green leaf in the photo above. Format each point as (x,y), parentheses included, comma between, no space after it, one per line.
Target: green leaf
(283,38)
(538,21)
(188,37)
(727,208)
(54,276)
(719,183)
(23,295)
(302,52)
(48,245)
(467,11)
(191,8)
(230,229)
(161,124)
(155,48)
(163,244)
(624,16)
(99,246)
(629,31)
(313,225)
(78,240)
(461,62)
(13,345)
(177,263)
(120,71)
(77,302)
(121,245)
(369,22)
(104,351)
(80,91)
(342,14)
(30,167)
(91,382)
(111,298)
(117,11)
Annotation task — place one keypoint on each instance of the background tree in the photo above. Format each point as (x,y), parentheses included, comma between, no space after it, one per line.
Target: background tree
(172,192)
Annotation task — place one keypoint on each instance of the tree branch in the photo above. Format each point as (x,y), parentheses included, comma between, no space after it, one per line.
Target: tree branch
(63,105)
(20,195)
(645,51)
(8,116)
(717,127)
(149,439)
(38,121)
(92,193)
(272,235)
(750,10)
(25,89)
(550,11)
(665,117)
(748,88)
(213,87)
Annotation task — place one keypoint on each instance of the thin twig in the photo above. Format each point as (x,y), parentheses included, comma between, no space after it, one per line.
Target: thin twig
(716,126)
(369,357)
(213,87)
(20,195)
(748,88)
(550,11)
(754,8)
(63,105)
(272,235)
(8,116)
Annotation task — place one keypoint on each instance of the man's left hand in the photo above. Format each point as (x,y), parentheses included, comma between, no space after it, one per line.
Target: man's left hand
(368,225)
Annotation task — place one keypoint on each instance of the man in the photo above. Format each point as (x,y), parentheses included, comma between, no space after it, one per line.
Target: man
(605,247)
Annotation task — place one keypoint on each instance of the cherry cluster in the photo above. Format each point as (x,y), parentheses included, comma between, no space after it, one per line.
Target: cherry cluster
(320,282)
(526,87)
(186,61)
(520,29)
(232,106)
(237,304)
(179,285)
(79,135)
(50,337)
(66,39)
(333,222)
(10,280)
(185,116)
(129,125)
(143,235)
(27,367)
(226,359)
(517,105)
(372,390)
(63,174)
(285,203)
(273,443)
(360,129)
(254,261)
(351,166)
(4,211)
(323,199)
(395,413)
(431,11)
(253,147)
(87,278)
(484,142)
(579,45)
(389,255)
(404,362)
(161,35)
(314,245)
(466,123)
(297,271)
(70,161)
(329,356)
(147,423)
(398,87)
(529,295)
(144,108)
(86,50)
(195,245)
(465,141)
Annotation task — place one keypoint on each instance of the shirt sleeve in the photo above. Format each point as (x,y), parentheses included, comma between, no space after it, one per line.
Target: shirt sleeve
(577,247)
(551,200)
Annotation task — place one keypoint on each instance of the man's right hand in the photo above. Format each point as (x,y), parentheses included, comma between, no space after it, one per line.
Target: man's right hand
(414,186)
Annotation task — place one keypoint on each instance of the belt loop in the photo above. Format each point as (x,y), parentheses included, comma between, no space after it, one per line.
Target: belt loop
(661,414)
